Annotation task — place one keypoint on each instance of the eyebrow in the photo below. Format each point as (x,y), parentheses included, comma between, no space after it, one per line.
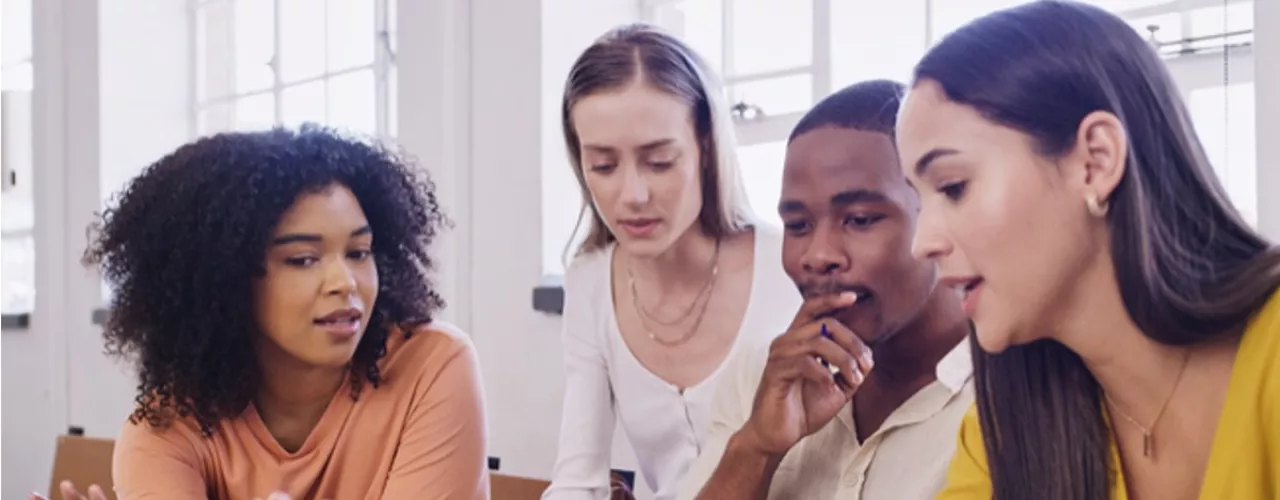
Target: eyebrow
(286,239)
(923,163)
(841,199)
(648,146)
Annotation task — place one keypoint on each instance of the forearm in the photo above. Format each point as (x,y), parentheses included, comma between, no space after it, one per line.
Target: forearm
(745,471)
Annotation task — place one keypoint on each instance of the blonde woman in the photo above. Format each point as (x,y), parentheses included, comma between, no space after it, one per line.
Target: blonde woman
(673,276)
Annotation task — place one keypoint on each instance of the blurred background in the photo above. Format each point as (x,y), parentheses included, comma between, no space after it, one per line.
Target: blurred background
(95,90)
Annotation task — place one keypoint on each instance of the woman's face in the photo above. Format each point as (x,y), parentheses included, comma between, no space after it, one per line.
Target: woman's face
(1008,227)
(642,165)
(314,301)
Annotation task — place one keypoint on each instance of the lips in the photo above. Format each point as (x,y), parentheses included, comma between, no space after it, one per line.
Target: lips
(349,315)
(639,227)
(968,288)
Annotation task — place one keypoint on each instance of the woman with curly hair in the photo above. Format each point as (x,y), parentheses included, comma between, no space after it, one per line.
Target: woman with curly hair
(272,289)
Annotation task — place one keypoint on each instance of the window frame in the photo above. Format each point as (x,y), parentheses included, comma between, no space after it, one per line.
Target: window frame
(382,68)
(754,131)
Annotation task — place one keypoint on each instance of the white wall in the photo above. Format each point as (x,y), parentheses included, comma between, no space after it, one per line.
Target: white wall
(112,94)
(1267,82)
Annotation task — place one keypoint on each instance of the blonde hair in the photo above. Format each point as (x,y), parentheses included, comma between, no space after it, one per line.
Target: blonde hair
(641,51)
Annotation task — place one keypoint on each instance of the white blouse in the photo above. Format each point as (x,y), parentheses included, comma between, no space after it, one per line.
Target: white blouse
(606,383)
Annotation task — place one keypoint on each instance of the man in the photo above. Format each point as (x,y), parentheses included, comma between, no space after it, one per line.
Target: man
(863,396)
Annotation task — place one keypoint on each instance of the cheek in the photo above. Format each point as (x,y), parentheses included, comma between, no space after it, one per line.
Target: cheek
(681,186)
(279,302)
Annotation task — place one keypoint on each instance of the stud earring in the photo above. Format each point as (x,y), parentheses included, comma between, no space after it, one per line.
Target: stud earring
(1096,207)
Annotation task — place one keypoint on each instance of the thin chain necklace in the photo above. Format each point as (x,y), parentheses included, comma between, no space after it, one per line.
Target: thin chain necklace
(706,287)
(1148,443)
(646,318)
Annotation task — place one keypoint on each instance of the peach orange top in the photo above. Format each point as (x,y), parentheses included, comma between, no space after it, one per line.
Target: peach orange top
(419,435)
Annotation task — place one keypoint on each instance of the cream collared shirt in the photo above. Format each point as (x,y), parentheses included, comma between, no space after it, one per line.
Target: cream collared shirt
(906,459)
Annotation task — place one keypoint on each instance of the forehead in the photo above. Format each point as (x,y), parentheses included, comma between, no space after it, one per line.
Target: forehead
(929,120)
(830,160)
(334,207)
(632,116)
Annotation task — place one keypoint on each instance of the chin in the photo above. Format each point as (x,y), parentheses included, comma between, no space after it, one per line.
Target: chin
(645,247)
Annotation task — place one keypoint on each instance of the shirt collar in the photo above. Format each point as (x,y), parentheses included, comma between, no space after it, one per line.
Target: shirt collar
(956,367)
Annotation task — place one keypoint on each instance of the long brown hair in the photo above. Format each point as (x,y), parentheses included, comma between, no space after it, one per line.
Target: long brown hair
(635,51)
(1188,265)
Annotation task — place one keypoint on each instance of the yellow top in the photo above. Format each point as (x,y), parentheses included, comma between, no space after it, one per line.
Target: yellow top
(1244,463)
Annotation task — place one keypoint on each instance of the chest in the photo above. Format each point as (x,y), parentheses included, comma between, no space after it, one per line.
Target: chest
(683,349)
(907,462)
(342,457)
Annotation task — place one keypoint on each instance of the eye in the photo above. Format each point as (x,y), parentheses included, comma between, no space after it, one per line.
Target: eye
(796,227)
(953,190)
(306,261)
(359,254)
(603,168)
(661,165)
(862,220)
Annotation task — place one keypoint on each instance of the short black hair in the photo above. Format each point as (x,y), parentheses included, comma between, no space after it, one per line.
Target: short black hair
(184,241)
(871,105)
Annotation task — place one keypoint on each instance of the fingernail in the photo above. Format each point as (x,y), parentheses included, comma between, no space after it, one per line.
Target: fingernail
(848,297)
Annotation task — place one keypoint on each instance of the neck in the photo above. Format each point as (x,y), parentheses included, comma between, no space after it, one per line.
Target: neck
(292,391)
(687,262)
(1136,372)
(910,358)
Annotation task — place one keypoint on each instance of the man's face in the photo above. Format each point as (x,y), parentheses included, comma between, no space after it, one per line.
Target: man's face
(849,216)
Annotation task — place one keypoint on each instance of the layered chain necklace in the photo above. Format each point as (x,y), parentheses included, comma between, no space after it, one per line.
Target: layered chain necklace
(703,298)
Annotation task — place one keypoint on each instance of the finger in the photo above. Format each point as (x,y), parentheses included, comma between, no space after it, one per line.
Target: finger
(824,349)
(812,370)
(37,496)
(816,307)
(69,491)
(849,341)
(96,493)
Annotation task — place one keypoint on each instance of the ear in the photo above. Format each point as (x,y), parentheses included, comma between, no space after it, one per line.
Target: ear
(1103,144)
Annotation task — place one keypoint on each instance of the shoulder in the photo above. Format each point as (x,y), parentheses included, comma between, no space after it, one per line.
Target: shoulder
(427,350)
(588,267)
(140,442)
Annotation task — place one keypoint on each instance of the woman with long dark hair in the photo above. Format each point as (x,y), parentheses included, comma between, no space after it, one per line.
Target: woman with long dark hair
(1127,316)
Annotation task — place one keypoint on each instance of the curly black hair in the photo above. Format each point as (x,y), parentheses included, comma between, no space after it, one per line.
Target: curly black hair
(183,242)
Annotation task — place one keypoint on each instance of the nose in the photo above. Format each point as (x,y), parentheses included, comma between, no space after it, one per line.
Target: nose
(635,187)
(931,241)
(824,256)
(339,279)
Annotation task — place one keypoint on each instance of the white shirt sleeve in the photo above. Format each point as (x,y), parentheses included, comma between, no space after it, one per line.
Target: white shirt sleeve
(586,426)
(730,409)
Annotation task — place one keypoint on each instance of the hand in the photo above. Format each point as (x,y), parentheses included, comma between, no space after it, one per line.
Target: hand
(69,492)
(797,394)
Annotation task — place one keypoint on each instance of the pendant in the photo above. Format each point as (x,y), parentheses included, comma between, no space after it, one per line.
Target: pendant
(1148,446)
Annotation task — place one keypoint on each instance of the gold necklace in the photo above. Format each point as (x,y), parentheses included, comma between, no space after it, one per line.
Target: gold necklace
(644,316)
(1148,443)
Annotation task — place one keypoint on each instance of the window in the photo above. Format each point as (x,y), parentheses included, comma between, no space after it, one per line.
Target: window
(1224,118)
(17,242)
(779,57)
(268,62)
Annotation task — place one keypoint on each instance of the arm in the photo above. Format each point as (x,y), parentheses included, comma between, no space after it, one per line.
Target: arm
(729,412)
(968,477)
(154,464)
(442,451)
(587,422)
(745,471)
